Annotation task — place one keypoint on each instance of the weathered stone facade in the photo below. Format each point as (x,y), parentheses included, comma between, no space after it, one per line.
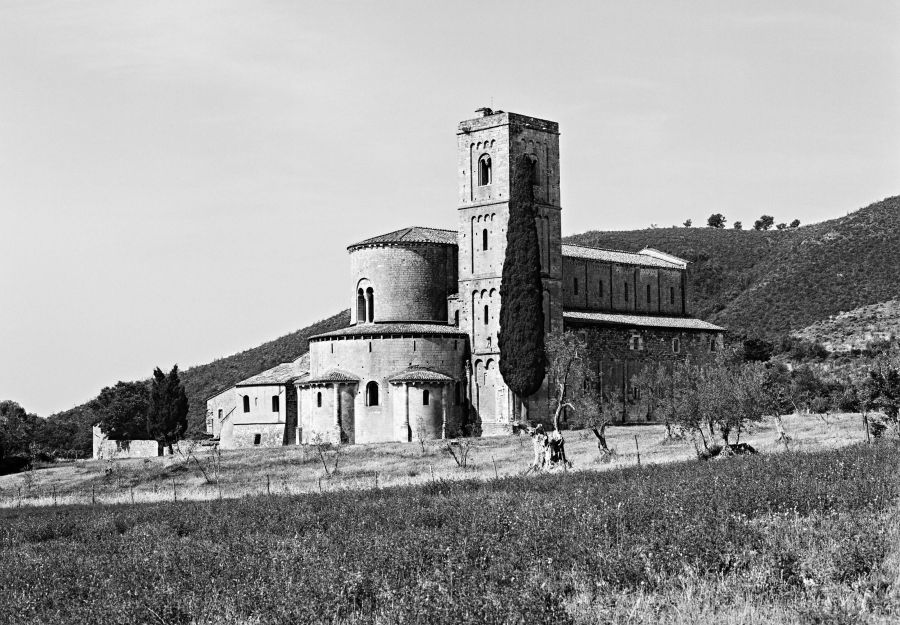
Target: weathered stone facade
(421,360)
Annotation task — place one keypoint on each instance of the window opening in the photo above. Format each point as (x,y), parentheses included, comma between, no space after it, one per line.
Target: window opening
(319,399)
(626,291)
(485,315)
(484,239)
(257,439)
(276,403)
(575,285)
(649,296)
(370,304)
(425,398)
(372,394)
(672,295)
(360,306)
(676,346)
(246,403)
(484,170)
(601,288)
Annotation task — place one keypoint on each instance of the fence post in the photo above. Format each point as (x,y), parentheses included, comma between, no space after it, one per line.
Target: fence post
(132,495)
(376,479)
(268,485)
(637,449)
(496,475)
(93,495)
(174,491)
(431,466)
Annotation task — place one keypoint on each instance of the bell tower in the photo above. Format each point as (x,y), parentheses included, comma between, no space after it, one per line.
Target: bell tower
(489,147)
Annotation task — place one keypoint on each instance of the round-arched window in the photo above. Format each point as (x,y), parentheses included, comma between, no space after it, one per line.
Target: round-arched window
(372,393)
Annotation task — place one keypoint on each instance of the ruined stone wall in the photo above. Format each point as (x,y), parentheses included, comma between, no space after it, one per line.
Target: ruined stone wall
(619,357)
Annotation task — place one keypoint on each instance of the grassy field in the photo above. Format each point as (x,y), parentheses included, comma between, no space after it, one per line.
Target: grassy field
(776,538)
(292,470)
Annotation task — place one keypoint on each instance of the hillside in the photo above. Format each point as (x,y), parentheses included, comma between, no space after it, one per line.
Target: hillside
(771,283)
(857,328)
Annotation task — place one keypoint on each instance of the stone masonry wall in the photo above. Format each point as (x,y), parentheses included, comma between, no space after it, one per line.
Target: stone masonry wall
(410,282)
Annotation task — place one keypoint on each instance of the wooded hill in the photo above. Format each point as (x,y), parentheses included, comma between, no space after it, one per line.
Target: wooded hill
(758,283)
(769,283)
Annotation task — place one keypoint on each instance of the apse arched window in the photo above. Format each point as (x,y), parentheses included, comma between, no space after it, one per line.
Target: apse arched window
(625,292)
(372,394)
(484,241)
(360,306)
(485,315)
(370,304)
(672,295)
(246,403)
(485,172)
(575,285)
(600,289)
(319,399)
(426,398)
(649,296)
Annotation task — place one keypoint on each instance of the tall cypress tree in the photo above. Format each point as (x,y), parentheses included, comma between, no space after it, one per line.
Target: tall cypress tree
(521,339)
(167,417)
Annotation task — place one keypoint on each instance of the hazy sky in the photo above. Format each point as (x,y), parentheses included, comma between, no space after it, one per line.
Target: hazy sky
(179,180)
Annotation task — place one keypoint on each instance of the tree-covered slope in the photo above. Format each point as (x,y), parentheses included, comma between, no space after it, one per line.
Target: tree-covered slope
(73,425)
(769,283)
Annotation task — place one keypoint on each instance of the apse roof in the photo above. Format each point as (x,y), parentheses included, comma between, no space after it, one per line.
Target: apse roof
(420,374)
(414,234)
(377,329)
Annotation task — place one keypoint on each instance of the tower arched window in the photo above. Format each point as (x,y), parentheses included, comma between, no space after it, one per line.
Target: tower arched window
(649,295)
(426,398)
(360,306)
(372,393)
(672,295)
(485,172)
(370,304)
(485,314)
(484,239)
(319,399)
(246,403)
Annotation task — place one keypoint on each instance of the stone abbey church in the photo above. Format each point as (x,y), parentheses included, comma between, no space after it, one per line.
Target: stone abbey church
(420,356)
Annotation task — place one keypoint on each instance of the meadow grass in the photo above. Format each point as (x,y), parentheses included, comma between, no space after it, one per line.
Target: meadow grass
(782,538)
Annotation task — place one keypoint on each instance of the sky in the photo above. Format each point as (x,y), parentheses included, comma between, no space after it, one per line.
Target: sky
(179,180)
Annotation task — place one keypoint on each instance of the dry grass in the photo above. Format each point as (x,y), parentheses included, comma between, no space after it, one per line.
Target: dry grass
(299,469)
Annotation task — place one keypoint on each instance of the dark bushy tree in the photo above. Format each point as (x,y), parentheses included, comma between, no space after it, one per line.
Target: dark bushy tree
(521,339)
(167,416)
(716,220)
(17,429)
(795,223)
(757,350)
(737,225)
(122,410)
(764,223)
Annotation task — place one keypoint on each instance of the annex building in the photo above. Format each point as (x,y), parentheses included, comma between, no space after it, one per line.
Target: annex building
(420,357)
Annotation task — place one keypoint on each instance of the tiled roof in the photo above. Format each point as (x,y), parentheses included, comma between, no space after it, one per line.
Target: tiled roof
(377,329)
(332,375)
(279,374)
(420,374)
(641,321)
(415,234)
(618,256)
